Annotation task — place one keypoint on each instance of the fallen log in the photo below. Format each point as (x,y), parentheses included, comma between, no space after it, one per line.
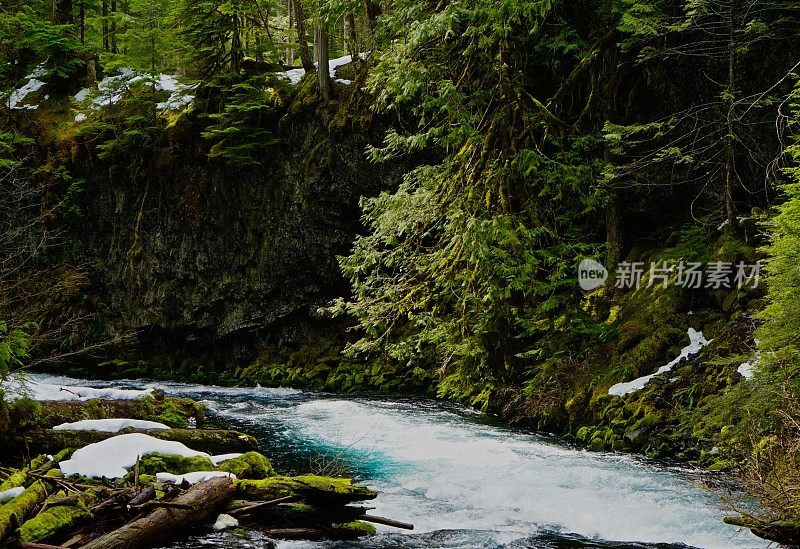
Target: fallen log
(204,498)
(785,532)
(312,488)
(57,518)
(175,412)
(386,521)
(253,507)
(212,441)
(14,513)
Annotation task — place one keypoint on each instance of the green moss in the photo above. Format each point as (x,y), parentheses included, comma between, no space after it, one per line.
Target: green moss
(174,412)
(14,513)
(56,520)
(356,529)
(178,465)
(14,480)
(311,487)
(250,465)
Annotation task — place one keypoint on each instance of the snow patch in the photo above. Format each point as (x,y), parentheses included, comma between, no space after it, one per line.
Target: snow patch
(11,493)
(112,88)
(696,343)
(111,458)
(216,460)
(746,369)
(295,75)
(224,522)
(16,387)
(193,478)
(113,425)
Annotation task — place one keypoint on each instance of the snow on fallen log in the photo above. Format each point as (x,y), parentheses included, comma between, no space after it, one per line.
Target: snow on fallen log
(111,458)
(193,478)
(111,425)
(211,441)
(696,344)
(216,460)
(11,493)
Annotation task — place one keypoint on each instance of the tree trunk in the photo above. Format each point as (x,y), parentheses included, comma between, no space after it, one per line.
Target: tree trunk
(350,36)
(114,27)
(302,39)
(83,21)
(614,231)
(62,12)
(236,43)
(204,499)
(321,57)
(730,144)
(373,11)
(105,24)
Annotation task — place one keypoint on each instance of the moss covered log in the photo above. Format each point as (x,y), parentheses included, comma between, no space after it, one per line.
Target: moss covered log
(171,411)
(213,441)
(314,489)
(14,513)
(57,518)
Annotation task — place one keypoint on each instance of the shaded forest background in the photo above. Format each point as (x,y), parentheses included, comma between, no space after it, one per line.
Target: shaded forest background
(414,221)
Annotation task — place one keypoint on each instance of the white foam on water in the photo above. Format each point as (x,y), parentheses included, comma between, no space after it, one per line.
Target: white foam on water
(460,476)
(445,472)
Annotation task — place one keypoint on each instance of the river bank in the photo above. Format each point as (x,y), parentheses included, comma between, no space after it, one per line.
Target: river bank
(120,478)
(464,482)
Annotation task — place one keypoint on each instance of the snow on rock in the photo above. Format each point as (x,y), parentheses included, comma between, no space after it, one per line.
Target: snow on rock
(746,370)
(224,522)
(112,88)
(16,387)
(111,458)
(216,460)
(11,493)
(33,84)
(193,478)
(696,343)
(295,75)
(114,425)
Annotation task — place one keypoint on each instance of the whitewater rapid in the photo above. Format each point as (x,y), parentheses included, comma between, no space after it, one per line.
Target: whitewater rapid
(463,482)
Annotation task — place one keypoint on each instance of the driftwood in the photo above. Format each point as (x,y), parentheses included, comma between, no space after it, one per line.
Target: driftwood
(203,499)
(386,522)
(212,441)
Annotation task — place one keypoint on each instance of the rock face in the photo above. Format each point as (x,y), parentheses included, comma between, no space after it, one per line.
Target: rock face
(208,250)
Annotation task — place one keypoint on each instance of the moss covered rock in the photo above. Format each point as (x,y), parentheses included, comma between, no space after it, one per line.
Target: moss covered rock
(177,465)
(250,465)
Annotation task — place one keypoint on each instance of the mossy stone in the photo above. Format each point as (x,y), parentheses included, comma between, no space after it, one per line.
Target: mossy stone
(250,465)
(177,465)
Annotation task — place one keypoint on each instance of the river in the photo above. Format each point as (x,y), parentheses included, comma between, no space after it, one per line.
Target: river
(463,481)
